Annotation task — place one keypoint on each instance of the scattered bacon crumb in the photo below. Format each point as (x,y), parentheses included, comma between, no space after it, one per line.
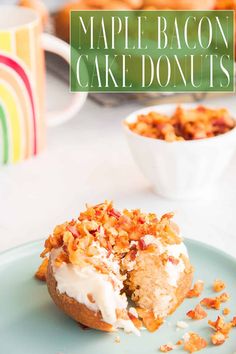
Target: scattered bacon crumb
(234,322)
(218,285)
(180,342)
(226,311)
(173,260)
(194,343)
(215,302)
(142,244)
(211,303)
(197,314)
(218,338)
(42,270)
(166,348)
(224,297)
(221,326)
(196,290)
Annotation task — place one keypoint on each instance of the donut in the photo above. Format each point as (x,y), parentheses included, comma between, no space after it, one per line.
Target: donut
(105,257)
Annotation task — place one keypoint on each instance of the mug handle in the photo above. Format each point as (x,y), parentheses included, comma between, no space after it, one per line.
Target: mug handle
(55,45)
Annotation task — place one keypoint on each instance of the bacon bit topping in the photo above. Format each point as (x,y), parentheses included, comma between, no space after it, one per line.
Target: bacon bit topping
(224,297)
(194,343)
(196,290)
(142,244)
(114,213)
(197,314)
(103,226)
(149,320)
(91,298)
(133,254)
(42,270)
(173,260)
(218,338)
(226,311)
(73,230)
(167,347)
(218,285)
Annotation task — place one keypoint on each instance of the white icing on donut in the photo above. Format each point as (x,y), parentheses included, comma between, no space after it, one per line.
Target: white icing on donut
(78,283)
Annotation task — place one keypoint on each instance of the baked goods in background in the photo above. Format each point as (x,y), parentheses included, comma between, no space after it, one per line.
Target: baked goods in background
(184,124)
(105,256)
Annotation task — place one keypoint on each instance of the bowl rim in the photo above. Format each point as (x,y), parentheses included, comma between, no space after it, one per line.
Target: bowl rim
(167,106)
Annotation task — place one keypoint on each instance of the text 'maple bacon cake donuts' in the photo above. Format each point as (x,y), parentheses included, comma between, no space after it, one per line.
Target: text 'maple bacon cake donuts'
(97,260)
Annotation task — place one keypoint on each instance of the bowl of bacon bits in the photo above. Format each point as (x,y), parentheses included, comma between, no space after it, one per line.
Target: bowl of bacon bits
(182,150)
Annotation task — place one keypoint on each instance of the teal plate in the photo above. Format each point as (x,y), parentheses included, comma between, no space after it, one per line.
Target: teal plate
(31,324)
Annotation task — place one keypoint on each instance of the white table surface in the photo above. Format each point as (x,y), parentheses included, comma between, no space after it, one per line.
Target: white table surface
(87,160)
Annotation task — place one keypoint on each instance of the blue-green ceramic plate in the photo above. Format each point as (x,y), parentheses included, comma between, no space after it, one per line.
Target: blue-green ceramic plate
(30,323)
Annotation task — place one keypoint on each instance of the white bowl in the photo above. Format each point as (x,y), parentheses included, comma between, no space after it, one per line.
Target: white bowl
(181,169)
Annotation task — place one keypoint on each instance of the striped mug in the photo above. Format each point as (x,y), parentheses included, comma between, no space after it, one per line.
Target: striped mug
(23,119)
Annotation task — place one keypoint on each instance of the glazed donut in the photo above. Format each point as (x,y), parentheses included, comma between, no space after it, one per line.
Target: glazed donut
(104,256)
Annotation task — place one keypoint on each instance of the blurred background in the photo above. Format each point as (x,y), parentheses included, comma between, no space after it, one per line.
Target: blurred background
(87,160)
(55,17)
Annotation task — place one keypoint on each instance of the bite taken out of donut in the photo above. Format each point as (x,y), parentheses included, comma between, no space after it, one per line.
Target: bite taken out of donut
(98,261)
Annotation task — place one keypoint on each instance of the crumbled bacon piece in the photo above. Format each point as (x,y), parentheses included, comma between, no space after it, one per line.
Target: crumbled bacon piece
(142,244)
(234,322)
(194,343)
(42,270)
(215,302)
(224,297)
(114,213)
(218,285)
(173,260)
(196,290)
(221,326)
(211,303)
(121,234)
(166,348)
(197,314)
(226,311)
(179,342)
(73,230)
(218,338)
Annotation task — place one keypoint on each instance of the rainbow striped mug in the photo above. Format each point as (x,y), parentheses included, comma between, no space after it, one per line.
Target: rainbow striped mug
(23,119)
